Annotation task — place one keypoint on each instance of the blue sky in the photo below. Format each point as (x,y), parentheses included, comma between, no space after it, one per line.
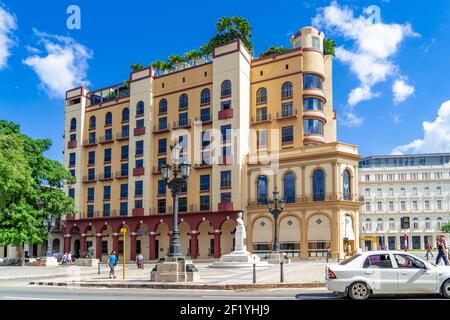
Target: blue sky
(410,47)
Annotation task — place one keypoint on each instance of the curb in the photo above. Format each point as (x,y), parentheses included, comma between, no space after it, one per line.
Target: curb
(184,286)
(45,276)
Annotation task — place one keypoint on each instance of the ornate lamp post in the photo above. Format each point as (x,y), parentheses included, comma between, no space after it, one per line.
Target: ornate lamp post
(49,224)
(175,178)
(276,206)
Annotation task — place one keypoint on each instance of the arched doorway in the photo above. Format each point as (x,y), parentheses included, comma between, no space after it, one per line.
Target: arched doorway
(56,246)
(76,248)
(262,235)
(227,236)
(319,235)
(185,239)
(142,240)
(162,240)
(290,235)
(205,240)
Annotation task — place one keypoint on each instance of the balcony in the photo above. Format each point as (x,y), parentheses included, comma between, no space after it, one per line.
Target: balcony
(89,143)
(291,114)
(225,114)
(121,175)
(105,176)
(121,136)
(137,212)
(113,93)
(139,131)
(314,114)
(138,172)
(204,121)
(161,129)
(106,139)
(156,170)
(313,139)
(182,124)
(199,166)
(89,179)
(72,144)
(316,198)
(261,120)
(225,206)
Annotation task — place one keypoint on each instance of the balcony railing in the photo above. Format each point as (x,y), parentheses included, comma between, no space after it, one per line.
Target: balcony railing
(139,131)
(122,136)
(121,175)
(90,178)
(225,114)
(182,124)
(287,114)
(257,120)
(158,128)
(89,142)
(105,176)
(106,139)
(315,198)
(108,94)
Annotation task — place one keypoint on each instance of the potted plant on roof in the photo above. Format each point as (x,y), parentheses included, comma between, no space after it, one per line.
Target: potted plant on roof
(205,51)
(176,61)
(157,65)
(166,67)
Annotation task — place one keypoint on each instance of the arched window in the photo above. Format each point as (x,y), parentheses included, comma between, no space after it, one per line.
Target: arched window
(163,106)
(261,95)
(368,225)
(183,101)
(92,122)
(391,224)
(379,224)
(205,96)
(427,223)
(286,90)
(125,115)
(439,223)
(225,90)
(289,187)
(262,190)
(108,119)
(140,108)
(318,185)
(346,184)
(73,124)
(312,81)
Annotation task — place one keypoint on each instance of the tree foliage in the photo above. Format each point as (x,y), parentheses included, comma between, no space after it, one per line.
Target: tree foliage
(26,177)
(445,228)
(273,50)
(329,46)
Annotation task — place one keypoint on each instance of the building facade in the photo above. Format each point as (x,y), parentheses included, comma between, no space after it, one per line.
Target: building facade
(247,125)
(414,186)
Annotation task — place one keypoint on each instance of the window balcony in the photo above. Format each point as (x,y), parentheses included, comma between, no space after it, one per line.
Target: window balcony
(138,172)
(313,139)
(139,131)
(160,129)
(225,206)
(204,121)
(291,114)
(199,166)
(121,136)
(89,142)
(182,124)
(72,144)
(138,212)
(105,176)
(89,179)
(261,120)
(121,175)
(106,139)
(225,114)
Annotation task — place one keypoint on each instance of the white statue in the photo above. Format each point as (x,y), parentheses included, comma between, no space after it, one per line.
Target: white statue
(240,235)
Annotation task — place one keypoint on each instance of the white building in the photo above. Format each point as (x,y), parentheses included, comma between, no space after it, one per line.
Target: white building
(414,186)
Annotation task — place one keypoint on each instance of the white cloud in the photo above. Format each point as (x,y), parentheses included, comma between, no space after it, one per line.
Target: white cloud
(436,135)
(63,67)
(8,24)
(374,46)
(351,120)
(401,90)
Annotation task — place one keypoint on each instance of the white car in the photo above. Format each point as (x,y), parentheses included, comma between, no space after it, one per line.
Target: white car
(387,272)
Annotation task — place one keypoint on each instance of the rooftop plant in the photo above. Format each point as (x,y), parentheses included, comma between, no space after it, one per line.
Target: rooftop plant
(273,50)
(329,46)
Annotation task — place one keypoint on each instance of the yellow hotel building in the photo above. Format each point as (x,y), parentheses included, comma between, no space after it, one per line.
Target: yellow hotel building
(247,125)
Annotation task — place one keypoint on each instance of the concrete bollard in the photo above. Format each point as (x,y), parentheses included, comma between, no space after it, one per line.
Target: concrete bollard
(254,273)
(98,264)
(281,272)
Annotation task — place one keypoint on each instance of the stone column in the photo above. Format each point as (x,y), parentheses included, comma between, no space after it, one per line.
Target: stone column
(194,244)
(67,243)
(98,246)
(115,238)
(217,234)
(304,238)
(82,245)
(133,237)
(151,245)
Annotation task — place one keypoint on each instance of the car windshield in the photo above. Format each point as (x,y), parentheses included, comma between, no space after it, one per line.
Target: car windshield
(347,261)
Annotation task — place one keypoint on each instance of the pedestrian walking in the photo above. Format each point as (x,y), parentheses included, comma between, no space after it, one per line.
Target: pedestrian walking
(442,251)
(429,250)
(64,260)
(69,258)
(112,262)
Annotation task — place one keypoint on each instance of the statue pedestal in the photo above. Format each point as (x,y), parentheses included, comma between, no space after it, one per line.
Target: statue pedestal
(86,262)
(48,262)
(174,269)
(277,258)
(239,259)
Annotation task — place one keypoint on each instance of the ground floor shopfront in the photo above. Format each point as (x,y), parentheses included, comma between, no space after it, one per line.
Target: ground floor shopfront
(398,241)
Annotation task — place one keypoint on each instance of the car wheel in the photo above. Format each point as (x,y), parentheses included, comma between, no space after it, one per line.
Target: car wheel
(445,289)
(358,291)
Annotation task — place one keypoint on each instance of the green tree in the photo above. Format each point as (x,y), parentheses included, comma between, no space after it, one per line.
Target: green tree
(27,176)
(446,227)
(175,59)
(205,49)
(157,65)
(232,28)
(273,50)
(329,46)
(136,67)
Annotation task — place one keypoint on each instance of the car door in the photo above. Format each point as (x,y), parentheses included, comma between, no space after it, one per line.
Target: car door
(413,275)
(379,272)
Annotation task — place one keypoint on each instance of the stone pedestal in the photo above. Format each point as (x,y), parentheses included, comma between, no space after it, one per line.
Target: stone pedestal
(86,262)
(174,269)
(277,258)
(48,262)
(239,259)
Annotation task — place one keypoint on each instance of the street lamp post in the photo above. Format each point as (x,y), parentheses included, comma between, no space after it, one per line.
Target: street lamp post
(49,224)
(276,207)
(179,170)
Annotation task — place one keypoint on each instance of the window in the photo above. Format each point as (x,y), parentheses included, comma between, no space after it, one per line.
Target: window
(182,204)
(106,209)
(402,205)
(226,133)
(90,210)
(378,261)
(287,134)
(380,224)
(162,123)
(225,90)
(91,174)
(205,97)
(318,185)
(125,131)
(71,192)
(183,119)
(379,206)
(124,169)
(415,224)
(261,95)
(427,223)
(316,42)
(313,126)
(414,205)
(107,172)
(408,262)
(72,159)
(414,191)
(107,155)
(225,105)
(225,179)
(125,115)
(92,122)
(261,138)
(73,137)
(73,124)
(204,203)
(287,110)
(391,205)
(379,193)
(225,197)
(312,81)
(439,204)
(139,148)
(92,137)
(108,134)
(138,204)
(438,191)
(367,192)
(106,192)
(367,207)
(346,183)
(162,146)
(205,139)
(124,153)
(139,163)
(289,187)
(262,191)
(91,194)
(402,192)
(124,208)
(140,123)
(124,190)
(391,192)
(261,114)
(108,119)
(162,206)
(427,205)
(427,191)
(439,223)
(312,104)
(91,157)
(163,106)
(161,162)
(391,224)
(368,225)
(183,102)
(161,187)
(138,188)
(140,109)
(205,114)
(204,182)
(286,90)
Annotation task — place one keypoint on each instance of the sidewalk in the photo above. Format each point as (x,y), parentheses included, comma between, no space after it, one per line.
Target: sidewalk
(36,272)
